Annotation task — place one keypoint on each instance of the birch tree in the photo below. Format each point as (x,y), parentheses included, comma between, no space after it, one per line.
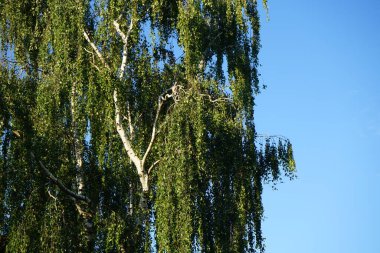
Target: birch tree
(128,126)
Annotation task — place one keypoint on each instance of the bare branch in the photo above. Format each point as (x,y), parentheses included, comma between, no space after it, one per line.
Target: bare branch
(96,50)
(51,195)
(60,184)
(124,37)
(152,166)
(154,130)
(171,92)
(88,51)
(97,68)
(127,143)
(130,122)
(93,59)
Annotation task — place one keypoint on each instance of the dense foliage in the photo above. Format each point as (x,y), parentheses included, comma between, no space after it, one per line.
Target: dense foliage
(128,126)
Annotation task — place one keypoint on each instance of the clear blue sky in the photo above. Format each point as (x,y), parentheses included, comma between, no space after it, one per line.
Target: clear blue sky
(321,62)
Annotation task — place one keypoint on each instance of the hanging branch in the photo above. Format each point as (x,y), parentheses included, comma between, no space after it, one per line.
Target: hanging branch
(59,183)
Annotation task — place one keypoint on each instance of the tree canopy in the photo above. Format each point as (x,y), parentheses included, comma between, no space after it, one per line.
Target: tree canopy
(128,126)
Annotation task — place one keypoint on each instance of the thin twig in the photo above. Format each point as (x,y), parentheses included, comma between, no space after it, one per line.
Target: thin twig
(51,195)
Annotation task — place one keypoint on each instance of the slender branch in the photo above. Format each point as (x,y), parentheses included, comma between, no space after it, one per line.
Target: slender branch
(130,121)
(88,51)
(93,59)
(152,166)
(97,68)
(96,50)
(59,183)
(125,47)
(87,214)
(154,130)
(127,143)
(51,195)
(161,99)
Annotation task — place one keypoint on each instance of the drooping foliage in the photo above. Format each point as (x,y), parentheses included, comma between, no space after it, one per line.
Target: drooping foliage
(181,76)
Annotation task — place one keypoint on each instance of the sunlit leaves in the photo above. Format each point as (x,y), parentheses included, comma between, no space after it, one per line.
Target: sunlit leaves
(206,188)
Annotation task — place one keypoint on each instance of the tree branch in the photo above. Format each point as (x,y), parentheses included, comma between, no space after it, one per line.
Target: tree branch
(60,184)
(125,47)
(131,131)
(119,127)
(51,195)
(152,166)
(96,50)
(165,95)
(139,163)
(154,130)
(127,143)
